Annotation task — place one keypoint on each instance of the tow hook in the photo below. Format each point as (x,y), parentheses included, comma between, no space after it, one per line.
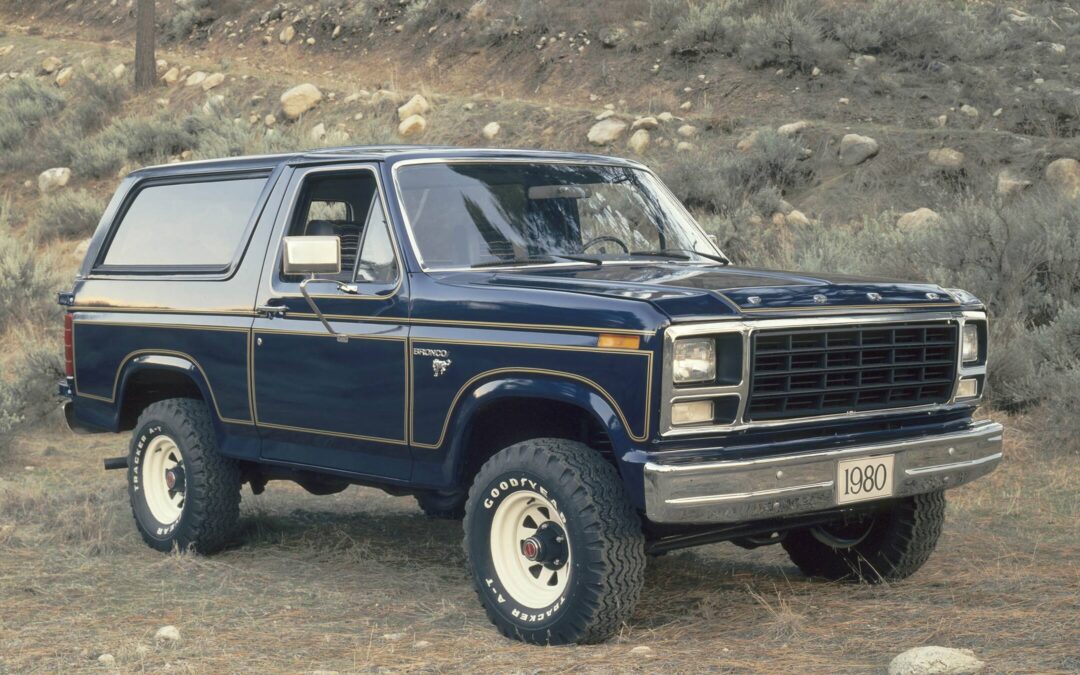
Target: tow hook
(112,463)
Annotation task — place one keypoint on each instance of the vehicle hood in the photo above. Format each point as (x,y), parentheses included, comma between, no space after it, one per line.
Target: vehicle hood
(691,292)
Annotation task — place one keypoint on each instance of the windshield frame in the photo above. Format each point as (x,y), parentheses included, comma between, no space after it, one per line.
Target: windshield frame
(626,164)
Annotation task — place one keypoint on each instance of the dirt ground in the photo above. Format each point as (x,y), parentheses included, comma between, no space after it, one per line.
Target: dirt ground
(363,582)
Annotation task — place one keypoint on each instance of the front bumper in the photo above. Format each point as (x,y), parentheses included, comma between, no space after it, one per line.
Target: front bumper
(742,490)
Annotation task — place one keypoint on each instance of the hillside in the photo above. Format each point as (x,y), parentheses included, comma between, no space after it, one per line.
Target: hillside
(921,139)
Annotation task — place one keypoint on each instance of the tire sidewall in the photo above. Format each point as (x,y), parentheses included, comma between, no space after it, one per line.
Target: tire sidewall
(162,534)
(492,493)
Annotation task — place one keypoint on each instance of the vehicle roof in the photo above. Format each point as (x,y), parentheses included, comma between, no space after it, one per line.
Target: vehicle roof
(368,153)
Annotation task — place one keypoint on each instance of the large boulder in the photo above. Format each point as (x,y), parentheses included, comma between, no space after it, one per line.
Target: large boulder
(606,131)
(64,76)
(414,125)
(639,141)
(417,105)
(300,99)
(212,81)
(918,219)
(946,158)
(793,128)
(856,149)
(171,76)
(53,179)
(490,130)
(196,78)
(935,661)
(51,64)
(649,122)
(1064,176)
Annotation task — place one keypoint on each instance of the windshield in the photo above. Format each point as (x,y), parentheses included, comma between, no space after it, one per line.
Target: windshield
(488,214)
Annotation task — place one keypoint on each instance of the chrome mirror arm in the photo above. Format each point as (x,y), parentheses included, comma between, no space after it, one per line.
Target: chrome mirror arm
(350,289)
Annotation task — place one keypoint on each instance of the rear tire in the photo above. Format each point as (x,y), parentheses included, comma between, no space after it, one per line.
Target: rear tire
(886,546)
(555,548)
(183,493)
(442,505)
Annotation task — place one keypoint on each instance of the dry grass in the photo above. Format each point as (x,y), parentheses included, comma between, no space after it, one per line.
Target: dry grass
(352,582)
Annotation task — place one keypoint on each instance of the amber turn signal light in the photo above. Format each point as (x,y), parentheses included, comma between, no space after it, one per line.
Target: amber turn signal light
(619,341)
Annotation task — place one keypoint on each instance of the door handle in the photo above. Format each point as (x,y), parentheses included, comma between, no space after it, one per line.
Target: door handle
(271,311)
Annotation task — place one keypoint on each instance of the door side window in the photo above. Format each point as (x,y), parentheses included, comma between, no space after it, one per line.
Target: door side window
(376,261)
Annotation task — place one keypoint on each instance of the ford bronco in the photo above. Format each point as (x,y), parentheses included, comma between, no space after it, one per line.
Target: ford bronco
(543,344)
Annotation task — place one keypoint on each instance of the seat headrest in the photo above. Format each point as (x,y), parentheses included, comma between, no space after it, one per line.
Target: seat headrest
(320,228)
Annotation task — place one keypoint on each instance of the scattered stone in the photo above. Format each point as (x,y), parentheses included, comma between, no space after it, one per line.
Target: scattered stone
(778,219)
(287,34)
(946,158)
(665,116)
(970,111)
(686,106)
(796,219)
(639,141)
(604,115)
(337,31)
(687,131)
(318,132)
(53,179)
(918,219)
(606,131)
(107,660)
(310,41)
(351,98)
(51,64)
(270,120)
(393,637)
(171,76)
(478,11)
(167,634)
(747,142)
(1008,184)
(1064,176)
(844,100)
(865,61)
(358,116)
(642,650)
(160,66)
(6,49)
(195,79)
(941,121)
(816,72)
(856,149)
(300,99)
(793,128)
(417,105)
(935,661)
(611,37)
(414,125)
(212,81)
(421,644)
(119,71)
(64,76)
(644,123)
(490,130)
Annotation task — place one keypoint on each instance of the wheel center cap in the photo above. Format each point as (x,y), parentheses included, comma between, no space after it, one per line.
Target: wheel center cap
(531,547)
(170,479)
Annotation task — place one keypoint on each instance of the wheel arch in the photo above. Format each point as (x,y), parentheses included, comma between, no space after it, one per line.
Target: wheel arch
(149,377)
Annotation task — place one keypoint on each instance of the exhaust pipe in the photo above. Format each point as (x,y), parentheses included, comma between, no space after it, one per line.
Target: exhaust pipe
(112,463)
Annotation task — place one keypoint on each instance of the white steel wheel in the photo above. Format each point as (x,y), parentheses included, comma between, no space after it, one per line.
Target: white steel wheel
(530,549)
(163,479)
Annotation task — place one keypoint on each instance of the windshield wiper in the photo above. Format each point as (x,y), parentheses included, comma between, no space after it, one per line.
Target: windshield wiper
(505,262)
(581,258)
(681,254)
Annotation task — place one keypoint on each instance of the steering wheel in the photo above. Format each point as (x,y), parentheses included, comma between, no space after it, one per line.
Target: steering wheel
(602,239)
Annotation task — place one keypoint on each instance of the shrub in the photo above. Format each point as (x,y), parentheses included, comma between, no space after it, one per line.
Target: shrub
(24,104)
(28,282)
(186,18)
(789,37)
(709,27)
(66,215)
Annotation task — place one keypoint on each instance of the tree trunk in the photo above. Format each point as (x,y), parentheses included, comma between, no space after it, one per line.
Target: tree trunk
(145,63)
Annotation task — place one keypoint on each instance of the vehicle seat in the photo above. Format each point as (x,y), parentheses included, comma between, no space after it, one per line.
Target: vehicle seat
(347,231)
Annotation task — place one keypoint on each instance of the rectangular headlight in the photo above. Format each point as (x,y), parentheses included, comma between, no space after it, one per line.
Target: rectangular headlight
(691,412)
(969,343)
(694,360)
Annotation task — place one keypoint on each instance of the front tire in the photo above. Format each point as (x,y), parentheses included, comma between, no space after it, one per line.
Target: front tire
(555,548)
(886,546)
(183,493)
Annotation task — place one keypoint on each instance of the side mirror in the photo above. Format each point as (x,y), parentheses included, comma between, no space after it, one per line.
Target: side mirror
(312,255)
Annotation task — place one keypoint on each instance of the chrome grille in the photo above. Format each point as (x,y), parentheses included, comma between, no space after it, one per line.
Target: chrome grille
(806,372)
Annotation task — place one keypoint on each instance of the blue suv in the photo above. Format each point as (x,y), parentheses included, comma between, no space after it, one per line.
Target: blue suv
(543,344)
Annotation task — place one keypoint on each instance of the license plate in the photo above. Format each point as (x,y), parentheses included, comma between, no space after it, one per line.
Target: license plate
(864,478)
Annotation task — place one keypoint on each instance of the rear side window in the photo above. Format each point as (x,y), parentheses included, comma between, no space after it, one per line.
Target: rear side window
(196,224)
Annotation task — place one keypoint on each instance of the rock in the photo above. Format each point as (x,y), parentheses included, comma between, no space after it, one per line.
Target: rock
(856,149)
(393,637)
(639,141)
(351,98)
(270,120)
(478,11)
(310,41)
(940,121)
(642,650)
(644,123)
(51,64)
(337,31)
(946,158)
(747,142)
(64,76)
(195,79)
(1064,176)
(918,219)
(793,128)
(119,71)
(778,219)
(796,219)
(167,634)
(606,131)
(215,102)
(421,644)
(665,116)
(385,95)
(490,130)
(413,125)
(865,61)
(171,76)
(611,37)
(970,111)
(417,105)
(300,99)
(6,49)
(287,34)
(318,132)
(160,66)
(687,105)
(107,660)
(1008,184)
(935,661)
(468,107)
(53,179)
(687,131)
(212,81)
(604,115)
(844,100)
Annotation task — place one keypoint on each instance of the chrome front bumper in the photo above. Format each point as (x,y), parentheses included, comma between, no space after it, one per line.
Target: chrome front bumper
(743,490)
